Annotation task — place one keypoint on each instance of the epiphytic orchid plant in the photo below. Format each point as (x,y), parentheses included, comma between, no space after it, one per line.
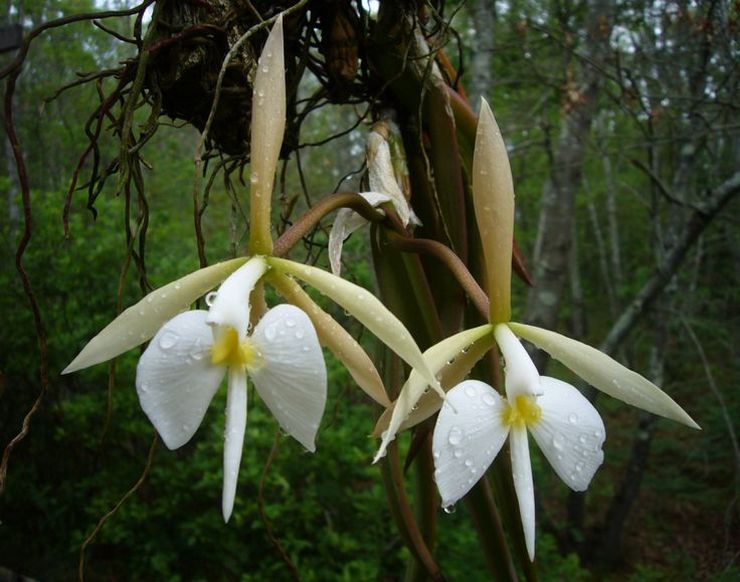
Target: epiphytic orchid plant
(475,420)
(192,351)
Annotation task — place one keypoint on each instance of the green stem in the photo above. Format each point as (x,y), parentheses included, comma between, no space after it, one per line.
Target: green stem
(451,261)
(317,212)
(396,494)
(490,530)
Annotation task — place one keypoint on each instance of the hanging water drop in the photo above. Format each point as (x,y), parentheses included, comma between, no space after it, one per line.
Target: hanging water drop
(449,509)
(211,297)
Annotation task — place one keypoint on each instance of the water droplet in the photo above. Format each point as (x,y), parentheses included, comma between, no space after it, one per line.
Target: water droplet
(557,441)
(471,391)
(144,387)
(265,69)
(455,436)
(582,439)
(466,349)
(299,334)
(306,348)
(450,361)
(457,453)
(449,509)
(167,340)
(185,428)
(271,332)
(572,418)
(142,312)
(489,400)
(579,466)
(289,323)
(436,454)
(211,297)
(468,462)
(178,286)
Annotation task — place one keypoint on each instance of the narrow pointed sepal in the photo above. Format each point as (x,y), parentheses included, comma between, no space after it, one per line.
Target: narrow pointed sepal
(332,335)
(604,373)
(493,197)
(236,426)
(268,126)
(367,309)
(140,322)
(455,368)
(290,374)
(436,358)
(175,379)
(521,468)
(468,435)
(231,306)
(570,433)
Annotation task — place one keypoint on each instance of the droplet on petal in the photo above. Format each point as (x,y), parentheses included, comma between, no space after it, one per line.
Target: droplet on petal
(168,340)
(455,436)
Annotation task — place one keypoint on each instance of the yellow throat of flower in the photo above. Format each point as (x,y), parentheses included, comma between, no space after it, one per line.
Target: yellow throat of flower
(229,350)
(524,411)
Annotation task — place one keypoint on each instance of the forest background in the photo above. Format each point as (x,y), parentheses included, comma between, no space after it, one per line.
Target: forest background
(624,154)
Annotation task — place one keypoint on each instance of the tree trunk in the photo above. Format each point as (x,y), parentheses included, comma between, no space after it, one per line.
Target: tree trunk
(557,214)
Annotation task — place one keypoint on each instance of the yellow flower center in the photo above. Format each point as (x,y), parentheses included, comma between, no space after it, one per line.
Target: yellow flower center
(524,411)
(228,350)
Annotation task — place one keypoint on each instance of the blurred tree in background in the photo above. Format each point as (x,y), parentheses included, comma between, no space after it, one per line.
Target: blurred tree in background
(621,120)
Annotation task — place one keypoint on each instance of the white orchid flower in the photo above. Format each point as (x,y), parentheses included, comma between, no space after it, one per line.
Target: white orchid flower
(475,421)
(384,188)
(185,363)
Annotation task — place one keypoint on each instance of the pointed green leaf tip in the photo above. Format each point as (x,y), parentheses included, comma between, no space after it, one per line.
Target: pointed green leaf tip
(367,309)
(140,322)
(493,196)
(604,373)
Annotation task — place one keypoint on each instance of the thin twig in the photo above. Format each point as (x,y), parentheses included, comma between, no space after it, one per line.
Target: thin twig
(263,514)
(116,507)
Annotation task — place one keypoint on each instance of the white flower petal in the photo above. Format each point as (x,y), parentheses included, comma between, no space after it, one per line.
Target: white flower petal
(368,310)
(570,433)
(604,373)
(333,336)
(236,426)
(467,438)
(140,322)
(521,468)
(522,377)
(453,371)
(493,196)
(436,358)
(231,306)
(291,379)
(175,379)
(347,222)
